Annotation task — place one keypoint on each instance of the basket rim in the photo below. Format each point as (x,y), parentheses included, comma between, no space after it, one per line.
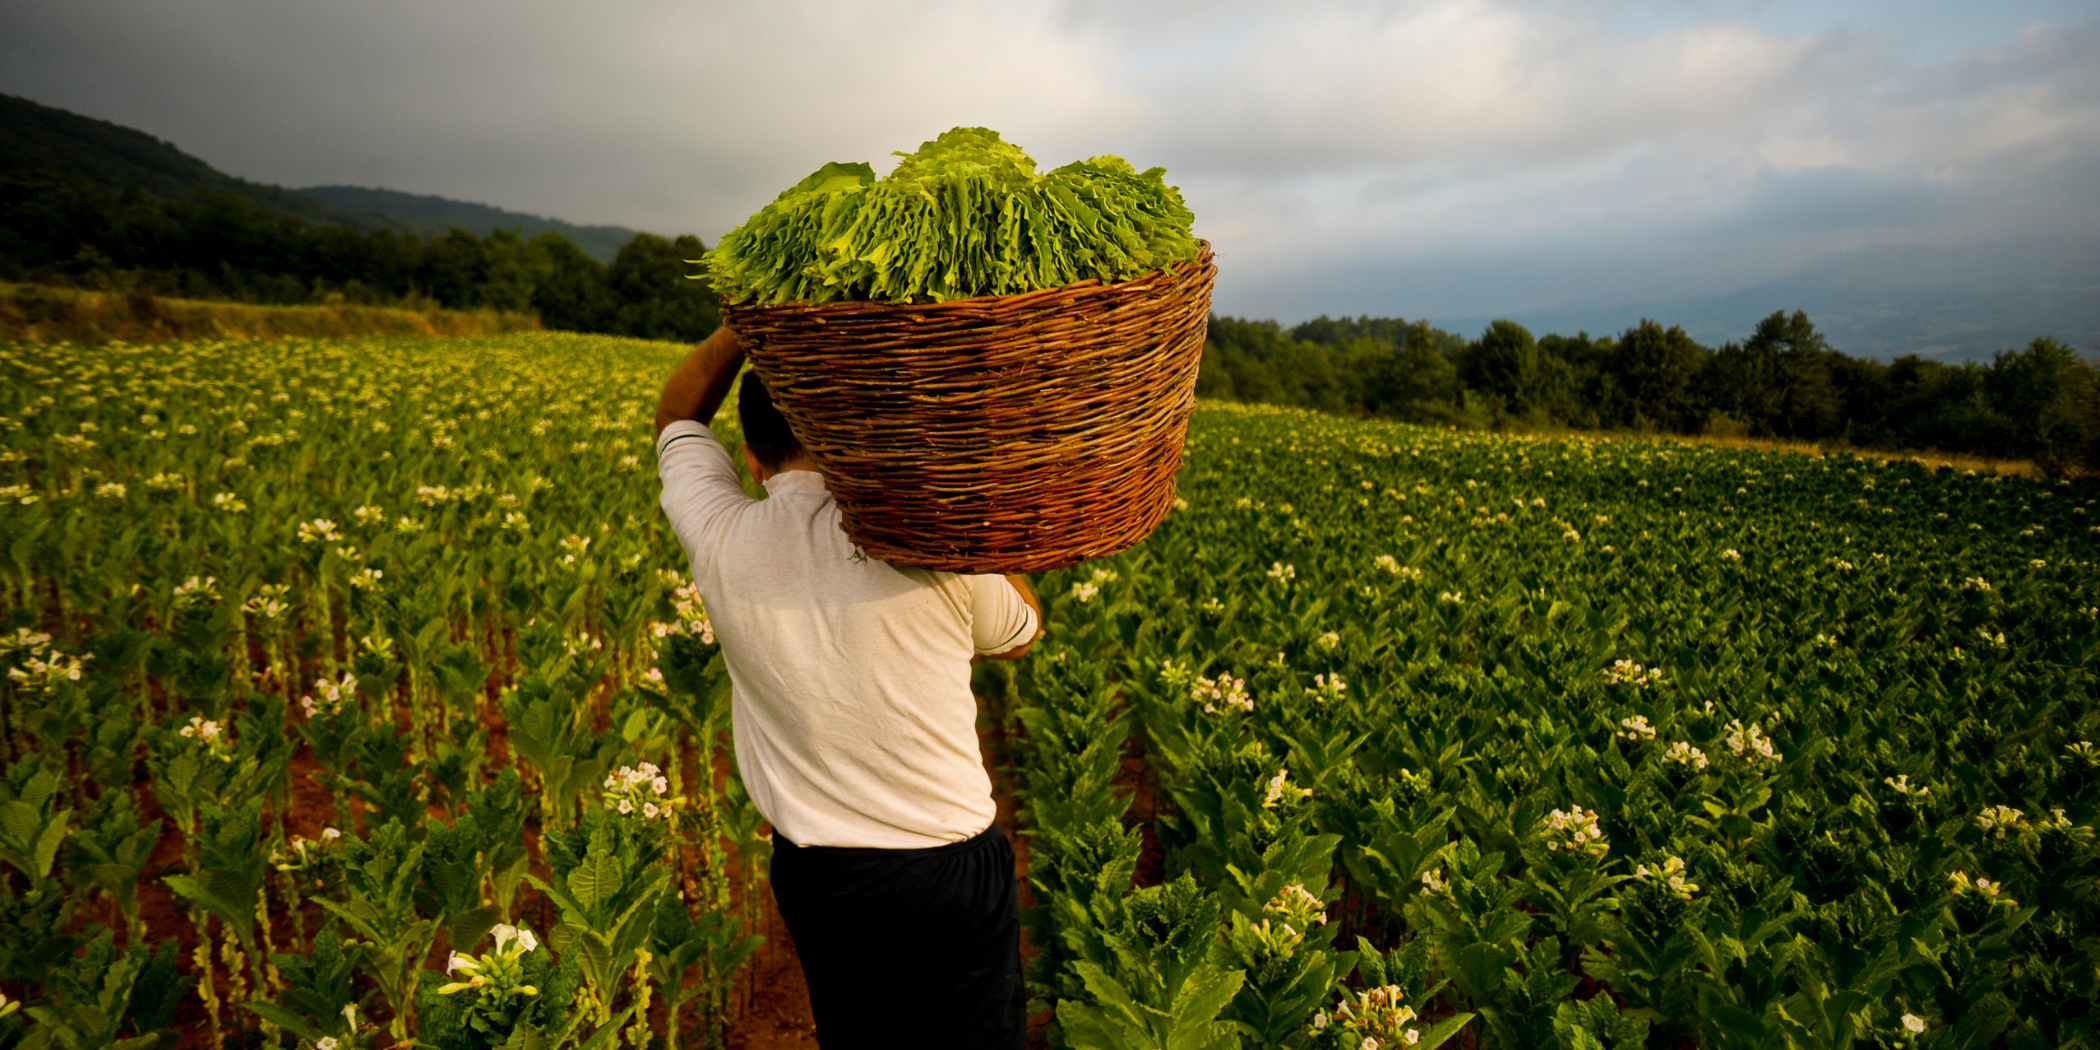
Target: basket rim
(1205,256)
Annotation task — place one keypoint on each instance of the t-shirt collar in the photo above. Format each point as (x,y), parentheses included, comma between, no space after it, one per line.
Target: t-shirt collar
(797,482)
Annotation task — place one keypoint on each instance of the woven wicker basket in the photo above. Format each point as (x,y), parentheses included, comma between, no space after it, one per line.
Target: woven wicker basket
(1010,433)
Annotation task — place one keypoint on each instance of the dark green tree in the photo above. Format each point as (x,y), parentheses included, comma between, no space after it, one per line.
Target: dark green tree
(453,270)
(1787,388)
(2041,392)
(1651,370)
(652,295)
(568,287)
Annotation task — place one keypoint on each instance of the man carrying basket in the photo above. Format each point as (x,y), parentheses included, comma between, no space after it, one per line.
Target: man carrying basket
(855,729)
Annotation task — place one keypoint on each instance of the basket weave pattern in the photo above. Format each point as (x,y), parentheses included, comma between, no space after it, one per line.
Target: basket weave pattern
(1011,433)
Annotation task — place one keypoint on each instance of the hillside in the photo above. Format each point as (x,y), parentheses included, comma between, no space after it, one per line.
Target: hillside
(440,213)
(36,137)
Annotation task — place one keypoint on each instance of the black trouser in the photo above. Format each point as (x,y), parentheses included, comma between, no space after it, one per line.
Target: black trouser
(907,947)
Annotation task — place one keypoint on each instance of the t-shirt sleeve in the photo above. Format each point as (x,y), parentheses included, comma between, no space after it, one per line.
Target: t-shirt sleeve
(701,488)
(1000,618)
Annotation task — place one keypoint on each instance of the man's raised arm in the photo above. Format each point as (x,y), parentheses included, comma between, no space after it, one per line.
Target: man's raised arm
(702,381)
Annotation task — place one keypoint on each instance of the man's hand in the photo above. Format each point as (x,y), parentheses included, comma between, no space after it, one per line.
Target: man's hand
(1020,583)
(702,381)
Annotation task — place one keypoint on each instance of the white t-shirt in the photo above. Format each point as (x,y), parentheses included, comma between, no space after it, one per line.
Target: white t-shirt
(850,677)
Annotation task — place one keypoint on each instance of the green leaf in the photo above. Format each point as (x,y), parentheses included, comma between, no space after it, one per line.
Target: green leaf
(289,1020)
(1441,1032)
(595,883)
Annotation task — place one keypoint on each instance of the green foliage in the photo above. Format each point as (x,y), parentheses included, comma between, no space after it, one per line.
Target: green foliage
(389,551)
(32,825)
(232,860)
(318,986)
(966,215)
(381,877)
(1582,742)
(1784,381)
(1164,986)
(608,877)
(218,244)
(109,999)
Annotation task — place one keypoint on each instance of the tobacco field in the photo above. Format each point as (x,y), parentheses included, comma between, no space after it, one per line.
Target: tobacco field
(1574,743)
(354,695)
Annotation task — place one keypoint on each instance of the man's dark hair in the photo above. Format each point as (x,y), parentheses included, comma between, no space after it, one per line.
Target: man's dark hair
(765,429)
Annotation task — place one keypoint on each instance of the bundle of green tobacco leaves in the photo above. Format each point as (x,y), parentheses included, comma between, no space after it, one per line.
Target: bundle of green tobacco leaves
(966,215)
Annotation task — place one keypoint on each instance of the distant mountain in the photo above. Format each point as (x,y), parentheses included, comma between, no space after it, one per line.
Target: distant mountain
(1887,300)
(36,137)
(440,213)
(39,137)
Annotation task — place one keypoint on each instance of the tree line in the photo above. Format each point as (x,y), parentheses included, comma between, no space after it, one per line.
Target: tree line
(63,230)
(1785,381)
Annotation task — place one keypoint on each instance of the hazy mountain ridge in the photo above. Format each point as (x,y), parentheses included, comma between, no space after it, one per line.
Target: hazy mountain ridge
(443,213)
(1885,301)
(36,137)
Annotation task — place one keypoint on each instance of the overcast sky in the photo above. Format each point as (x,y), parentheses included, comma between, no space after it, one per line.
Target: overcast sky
(1439,158)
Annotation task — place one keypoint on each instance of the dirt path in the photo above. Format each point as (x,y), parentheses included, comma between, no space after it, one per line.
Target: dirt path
(778,1016)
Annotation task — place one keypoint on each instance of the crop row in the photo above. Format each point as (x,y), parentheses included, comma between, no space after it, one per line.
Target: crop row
(353,695)
(1389,731)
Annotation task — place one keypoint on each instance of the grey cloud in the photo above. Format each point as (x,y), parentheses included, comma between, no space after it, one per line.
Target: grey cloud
(1347,156)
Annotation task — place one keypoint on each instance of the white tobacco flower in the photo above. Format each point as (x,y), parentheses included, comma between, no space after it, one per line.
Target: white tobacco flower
(1282,573)
(1670,876)
(1329,640)
(1329,687)
(1637,728)
(2001,819)
(1575,830)
(1226,690)
(1913,1024)
(1980,886)
(1626,672)
(1281,788)
(1751,743)
(319,530)
(1084,592)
